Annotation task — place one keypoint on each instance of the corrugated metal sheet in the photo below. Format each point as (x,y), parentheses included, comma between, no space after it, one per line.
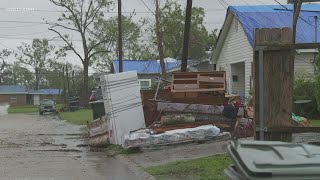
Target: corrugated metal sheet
(269,16)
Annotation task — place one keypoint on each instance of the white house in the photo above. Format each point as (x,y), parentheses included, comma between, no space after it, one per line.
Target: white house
(233,52)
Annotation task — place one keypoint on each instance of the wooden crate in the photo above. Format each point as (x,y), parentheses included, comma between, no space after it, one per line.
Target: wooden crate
(198,81)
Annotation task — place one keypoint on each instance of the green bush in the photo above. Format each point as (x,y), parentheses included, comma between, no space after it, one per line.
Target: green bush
(305,89)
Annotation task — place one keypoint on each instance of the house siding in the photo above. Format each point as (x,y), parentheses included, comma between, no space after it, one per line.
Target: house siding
(236,48)
(303,63)
(6,98)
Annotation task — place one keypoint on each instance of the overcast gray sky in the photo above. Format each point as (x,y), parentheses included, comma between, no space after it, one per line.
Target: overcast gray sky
(17,26)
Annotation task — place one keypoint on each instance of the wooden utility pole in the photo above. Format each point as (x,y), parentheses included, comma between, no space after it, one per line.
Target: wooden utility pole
(159,34)
(187,25)
(120,37)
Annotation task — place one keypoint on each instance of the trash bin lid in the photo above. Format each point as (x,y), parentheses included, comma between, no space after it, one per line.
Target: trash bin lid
(276,159)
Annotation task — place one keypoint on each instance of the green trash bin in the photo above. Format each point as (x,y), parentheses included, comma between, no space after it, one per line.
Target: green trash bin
(98,110)
(264,160)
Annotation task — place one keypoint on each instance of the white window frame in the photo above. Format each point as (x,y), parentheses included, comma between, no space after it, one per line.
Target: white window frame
(13,99)
(145,80)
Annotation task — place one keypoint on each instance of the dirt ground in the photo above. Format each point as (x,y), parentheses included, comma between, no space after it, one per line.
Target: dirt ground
(34,147)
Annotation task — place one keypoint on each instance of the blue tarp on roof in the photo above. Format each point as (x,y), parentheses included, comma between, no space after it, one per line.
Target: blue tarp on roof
(268,16)
(50,91)
(144,66)
(13,89)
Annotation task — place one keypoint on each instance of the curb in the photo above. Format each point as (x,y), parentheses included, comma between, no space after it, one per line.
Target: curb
(135,168)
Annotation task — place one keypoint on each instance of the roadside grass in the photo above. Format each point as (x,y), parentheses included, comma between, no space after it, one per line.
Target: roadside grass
(204,168)
(113,149)
(23,109)
(79,117)
(315,122)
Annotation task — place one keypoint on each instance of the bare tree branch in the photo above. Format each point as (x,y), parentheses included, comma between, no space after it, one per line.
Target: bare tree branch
(87,16)
(59,25)
(81,13)
(68,43)
(76,20)
(98,52)
(94,14)
(96,45)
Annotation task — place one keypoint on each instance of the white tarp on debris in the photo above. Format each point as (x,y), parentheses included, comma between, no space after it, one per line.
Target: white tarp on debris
(123,106)
(144,138)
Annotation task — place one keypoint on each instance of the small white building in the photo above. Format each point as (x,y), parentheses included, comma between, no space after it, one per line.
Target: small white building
(233,52)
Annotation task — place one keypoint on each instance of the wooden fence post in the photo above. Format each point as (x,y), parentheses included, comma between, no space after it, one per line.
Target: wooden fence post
(273,47)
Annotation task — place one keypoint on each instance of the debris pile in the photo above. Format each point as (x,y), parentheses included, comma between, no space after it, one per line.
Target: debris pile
(192,107)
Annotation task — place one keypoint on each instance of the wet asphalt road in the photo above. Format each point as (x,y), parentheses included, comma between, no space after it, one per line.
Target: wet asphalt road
(34,147)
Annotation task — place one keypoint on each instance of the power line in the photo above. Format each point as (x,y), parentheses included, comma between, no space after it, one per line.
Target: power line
(34,33)
(24,22)
(110,12)
(26,38)
(8,27)
(147,7)
(222,4)
(293,14)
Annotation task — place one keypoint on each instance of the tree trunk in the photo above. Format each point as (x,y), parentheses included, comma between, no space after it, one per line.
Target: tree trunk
(159,35)
(36,87)
(85,82)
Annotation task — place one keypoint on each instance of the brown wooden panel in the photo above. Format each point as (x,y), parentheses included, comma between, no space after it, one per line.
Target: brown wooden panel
(179,95)
(211,79)
(191,94)
(184,81)
(278,82)
(185,86)
(198,90)
(206,81)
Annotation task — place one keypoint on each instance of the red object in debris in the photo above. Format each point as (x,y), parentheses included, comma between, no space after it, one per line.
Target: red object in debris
(92,97)
(167,87)
(237,104)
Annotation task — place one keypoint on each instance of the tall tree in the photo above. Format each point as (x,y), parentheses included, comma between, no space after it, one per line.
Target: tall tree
(37,56)
(4,54)
(79,18)
(130,35)
(159,35)
(173,28)
(19,75)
